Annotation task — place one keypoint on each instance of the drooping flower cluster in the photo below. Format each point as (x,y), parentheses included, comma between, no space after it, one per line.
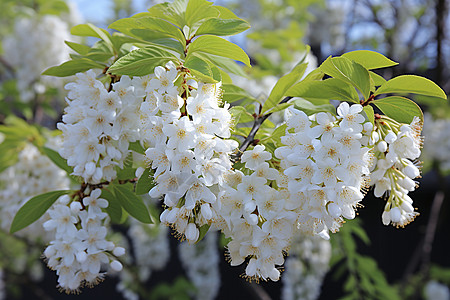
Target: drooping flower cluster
(256,216)
(185,129)
(201,263)
(437,141)
(98,126)
(80,246)
(326,165)
(397,151)
(36,44)
(32,175)
(305,268)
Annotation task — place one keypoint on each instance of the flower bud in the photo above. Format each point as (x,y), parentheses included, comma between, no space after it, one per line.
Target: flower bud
(390,137)
(191,232)
(206,211)
(411,171)
(75,207)
(116,266)
(386,217)
(407,207)
(334,210)
(119,251)
(382,146)
(396,215)
(407,183)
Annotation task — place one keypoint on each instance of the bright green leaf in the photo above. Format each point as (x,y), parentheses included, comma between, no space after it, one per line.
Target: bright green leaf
(198,10)
(279,107)
(225,63)
(91,30)
(218,46)
(370,59)
(142,61)
(34,209)
(141,27)
(310,108)
(79,48)
(283,85)
(217,26)
(370,114)
(329,89)
(72,67)
(145,182)
(136,146)
(203,69)
(232,93)
(399,108)
(349,71)
(412,84)
(133,204)
(173,12)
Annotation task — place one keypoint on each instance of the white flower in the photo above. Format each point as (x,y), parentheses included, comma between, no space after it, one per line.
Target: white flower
(255,157)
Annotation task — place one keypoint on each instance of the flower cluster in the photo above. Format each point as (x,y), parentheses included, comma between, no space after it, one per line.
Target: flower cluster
(29,54)
(80,246)
(397,151)
(32,175)
(201,263)
(305,268)
(326,166)
(256,216)
(185,128)
(98,126)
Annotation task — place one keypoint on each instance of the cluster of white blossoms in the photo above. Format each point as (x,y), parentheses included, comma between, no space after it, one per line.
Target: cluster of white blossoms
(98,126)
(32,175)
(185,128)
(437,141)
(397,150)
(326,166)
(257,217)
(80,246)
(305,268)
(201,263)
(36,44)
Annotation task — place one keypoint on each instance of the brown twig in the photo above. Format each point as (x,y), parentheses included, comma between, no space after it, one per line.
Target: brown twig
(250,139)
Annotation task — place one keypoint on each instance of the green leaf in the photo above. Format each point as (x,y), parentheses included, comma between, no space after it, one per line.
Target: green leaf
(126,173)
(72,67)
(283,85)
(225,63)
(141,27)
(218,46)
(225,13)
(133,204)
(198,10)
(412,84)
(370,59)
(142,61)
(377,79)
(232,93)
(145,182)
(173,12)
(223,27)
(399,108)
(92,30)
(79,48)
(329,89)
(114,208)
(203,69)
(279,107)
(370,114)
(240,115)
(349,71)
(58,160)
(136,146)
(310,108)
(202,232)
(34,209)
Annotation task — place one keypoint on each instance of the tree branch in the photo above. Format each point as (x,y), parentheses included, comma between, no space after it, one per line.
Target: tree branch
(250,139)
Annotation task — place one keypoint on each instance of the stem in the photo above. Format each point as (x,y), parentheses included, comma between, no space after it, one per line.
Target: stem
(250,139)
